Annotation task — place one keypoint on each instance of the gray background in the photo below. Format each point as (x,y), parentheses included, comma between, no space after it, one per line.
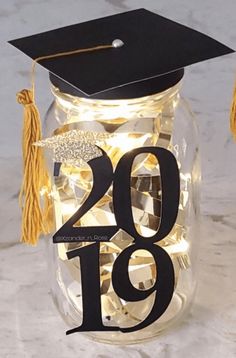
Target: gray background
(29,324)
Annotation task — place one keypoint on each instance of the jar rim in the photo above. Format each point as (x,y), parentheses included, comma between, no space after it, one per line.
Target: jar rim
(68,100)
(146,87)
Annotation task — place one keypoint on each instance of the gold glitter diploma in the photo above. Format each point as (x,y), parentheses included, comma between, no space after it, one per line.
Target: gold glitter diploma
(74,147)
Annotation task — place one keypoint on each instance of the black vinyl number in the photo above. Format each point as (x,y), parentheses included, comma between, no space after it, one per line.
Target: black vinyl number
(90,282)
(89,256)
(102,179)
(170,192)
(164,285)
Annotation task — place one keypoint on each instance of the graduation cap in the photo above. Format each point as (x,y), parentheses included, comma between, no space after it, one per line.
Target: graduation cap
(128,55)
(153,57)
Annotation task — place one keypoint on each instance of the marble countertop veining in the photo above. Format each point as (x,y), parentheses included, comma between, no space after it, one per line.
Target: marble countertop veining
(30,326)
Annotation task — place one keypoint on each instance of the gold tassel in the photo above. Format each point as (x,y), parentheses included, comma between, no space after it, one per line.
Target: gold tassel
(35,220)
(233,114)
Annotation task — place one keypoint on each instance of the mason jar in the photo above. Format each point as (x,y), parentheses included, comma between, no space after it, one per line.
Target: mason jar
(119,126)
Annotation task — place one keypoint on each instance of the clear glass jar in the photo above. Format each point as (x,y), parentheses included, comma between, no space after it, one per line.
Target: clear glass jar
(161,120)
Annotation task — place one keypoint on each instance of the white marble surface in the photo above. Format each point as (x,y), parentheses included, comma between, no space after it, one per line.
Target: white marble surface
(29,324)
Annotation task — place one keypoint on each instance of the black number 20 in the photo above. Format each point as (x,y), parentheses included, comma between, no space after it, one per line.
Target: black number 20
(103,177)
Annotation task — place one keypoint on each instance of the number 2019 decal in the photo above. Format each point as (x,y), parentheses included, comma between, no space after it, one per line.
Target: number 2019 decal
(103,177)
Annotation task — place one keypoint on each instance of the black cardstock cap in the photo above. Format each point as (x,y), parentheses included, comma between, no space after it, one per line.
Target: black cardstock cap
(153,57)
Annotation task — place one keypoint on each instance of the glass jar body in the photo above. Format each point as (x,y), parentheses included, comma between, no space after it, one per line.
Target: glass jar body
(161,121)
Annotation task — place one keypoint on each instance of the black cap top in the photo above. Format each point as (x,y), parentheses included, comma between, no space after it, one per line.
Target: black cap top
(152,59)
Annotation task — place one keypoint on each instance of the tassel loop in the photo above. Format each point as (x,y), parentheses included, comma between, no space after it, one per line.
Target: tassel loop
(25,97)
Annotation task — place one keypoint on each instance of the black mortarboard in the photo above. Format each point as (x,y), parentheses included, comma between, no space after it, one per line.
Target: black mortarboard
(153,57)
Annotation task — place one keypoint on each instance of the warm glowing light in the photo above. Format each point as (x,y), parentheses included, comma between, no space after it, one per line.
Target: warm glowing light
(126,142)
(179,247)
(68,209)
